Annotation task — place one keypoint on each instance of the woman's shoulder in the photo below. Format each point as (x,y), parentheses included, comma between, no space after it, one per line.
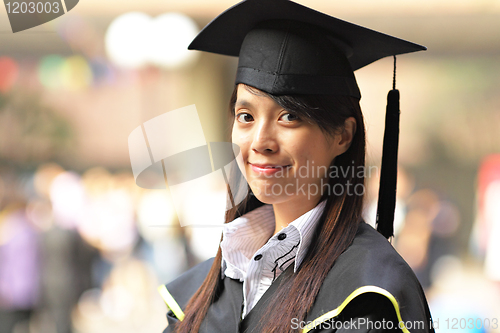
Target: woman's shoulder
(184,286)
(370,251)
(371,266)
(371,260)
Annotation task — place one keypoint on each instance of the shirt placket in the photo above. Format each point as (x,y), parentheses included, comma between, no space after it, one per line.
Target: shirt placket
(261,270)
(252,281)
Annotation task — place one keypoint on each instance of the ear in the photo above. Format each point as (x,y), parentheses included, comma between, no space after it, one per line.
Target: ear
(347,134)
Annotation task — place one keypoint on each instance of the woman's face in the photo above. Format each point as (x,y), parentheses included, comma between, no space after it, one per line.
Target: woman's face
(284,158)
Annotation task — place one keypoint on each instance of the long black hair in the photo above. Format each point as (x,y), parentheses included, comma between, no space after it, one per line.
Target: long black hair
(335,229)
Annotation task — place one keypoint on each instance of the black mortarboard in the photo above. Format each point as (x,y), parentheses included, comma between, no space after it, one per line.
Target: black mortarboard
(286,48)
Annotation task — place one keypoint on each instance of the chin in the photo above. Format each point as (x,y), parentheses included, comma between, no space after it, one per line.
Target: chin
(268,197)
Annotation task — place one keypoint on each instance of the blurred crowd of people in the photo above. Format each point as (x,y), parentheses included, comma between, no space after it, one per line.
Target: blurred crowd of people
(78,251)
(85,252)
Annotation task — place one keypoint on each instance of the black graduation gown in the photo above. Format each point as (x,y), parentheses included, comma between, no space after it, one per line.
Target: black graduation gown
(370,288)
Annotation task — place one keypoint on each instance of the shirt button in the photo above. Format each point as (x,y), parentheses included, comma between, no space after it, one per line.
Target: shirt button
(257,257)
(281,236)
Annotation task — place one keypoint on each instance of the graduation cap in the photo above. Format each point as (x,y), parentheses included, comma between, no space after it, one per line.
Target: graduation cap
(286,48)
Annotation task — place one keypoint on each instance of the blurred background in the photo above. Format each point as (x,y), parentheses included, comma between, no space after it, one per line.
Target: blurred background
(80,246)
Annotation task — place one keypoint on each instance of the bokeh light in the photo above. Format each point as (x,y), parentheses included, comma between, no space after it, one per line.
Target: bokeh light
(126,39)
(135,39)
(9,71)
(76,73)
(102,72)
(155,208)
(49,71)
(170,35)
(68,199)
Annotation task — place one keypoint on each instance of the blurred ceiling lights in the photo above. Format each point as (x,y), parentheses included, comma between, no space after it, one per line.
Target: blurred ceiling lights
(134,40)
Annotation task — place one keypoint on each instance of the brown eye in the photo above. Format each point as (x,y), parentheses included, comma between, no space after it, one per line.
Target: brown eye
(244,118)
(289,117)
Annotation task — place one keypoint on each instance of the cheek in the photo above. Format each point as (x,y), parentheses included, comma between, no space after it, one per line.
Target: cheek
(241,138)
(321,151)
(306,147)
(242,141)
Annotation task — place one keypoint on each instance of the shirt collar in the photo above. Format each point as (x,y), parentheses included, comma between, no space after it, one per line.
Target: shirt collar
(305,224)
(245,235)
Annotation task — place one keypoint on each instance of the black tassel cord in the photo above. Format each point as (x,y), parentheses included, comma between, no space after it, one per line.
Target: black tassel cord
(389,168)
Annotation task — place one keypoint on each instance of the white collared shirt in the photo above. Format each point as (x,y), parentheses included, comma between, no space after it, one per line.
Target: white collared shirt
(251,254)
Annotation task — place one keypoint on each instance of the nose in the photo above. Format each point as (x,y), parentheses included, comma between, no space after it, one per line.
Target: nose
(264,139)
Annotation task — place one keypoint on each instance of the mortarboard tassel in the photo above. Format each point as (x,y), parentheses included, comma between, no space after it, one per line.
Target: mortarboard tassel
(389,168)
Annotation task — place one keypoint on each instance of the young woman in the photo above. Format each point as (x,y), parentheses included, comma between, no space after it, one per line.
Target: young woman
(295,254)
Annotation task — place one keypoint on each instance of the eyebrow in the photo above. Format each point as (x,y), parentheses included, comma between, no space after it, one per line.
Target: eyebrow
(242,103)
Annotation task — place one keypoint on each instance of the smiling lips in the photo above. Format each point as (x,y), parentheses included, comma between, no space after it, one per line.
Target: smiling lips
(268,169)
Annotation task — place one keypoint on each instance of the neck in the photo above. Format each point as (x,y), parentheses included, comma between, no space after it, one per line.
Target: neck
(288,211)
